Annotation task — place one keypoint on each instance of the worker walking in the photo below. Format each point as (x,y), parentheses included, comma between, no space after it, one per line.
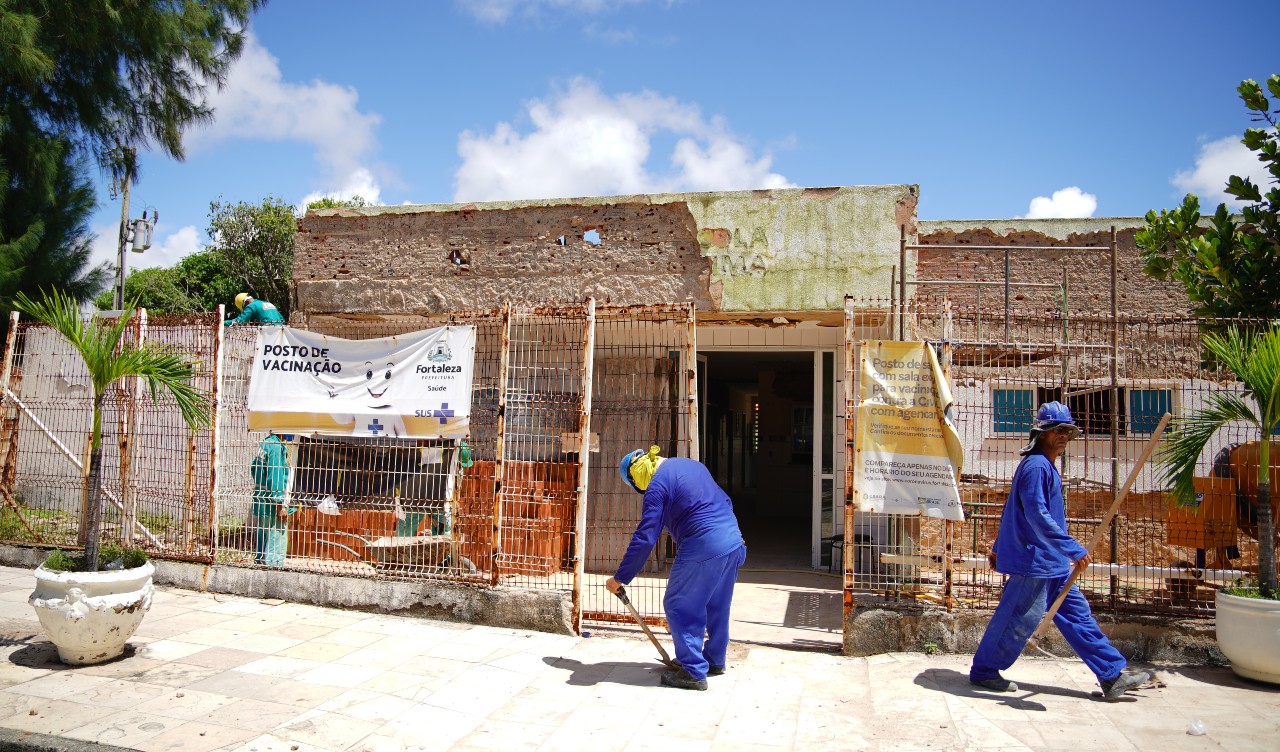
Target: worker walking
(681,496)
(1033,548)
(254,312)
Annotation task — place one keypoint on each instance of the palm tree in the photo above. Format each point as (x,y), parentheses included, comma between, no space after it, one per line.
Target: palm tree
(109,359)
(1254,358)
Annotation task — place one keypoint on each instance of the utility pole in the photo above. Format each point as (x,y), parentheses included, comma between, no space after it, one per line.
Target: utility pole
(136,232)
(123,241)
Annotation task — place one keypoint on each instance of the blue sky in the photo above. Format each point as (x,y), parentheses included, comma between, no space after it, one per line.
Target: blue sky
(996,109)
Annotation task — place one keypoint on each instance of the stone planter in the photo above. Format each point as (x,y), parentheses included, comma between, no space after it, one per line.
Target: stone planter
(1249,636)
(90,615)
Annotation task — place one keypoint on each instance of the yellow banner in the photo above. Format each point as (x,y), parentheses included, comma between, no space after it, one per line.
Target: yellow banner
(907,454)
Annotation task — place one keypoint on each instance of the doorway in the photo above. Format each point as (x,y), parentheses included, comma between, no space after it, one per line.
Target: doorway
(763,419)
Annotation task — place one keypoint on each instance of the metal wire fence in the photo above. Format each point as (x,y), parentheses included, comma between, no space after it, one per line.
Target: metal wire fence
(560,393)
(1118,376)
(507,511)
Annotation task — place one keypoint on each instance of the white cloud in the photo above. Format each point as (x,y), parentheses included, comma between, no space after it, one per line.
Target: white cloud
(257,103)
(1068,202)
(585,143)
(1219,160)
(498,11)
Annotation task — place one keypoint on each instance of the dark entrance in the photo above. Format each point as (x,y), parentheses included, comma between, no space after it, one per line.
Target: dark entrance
(757,440)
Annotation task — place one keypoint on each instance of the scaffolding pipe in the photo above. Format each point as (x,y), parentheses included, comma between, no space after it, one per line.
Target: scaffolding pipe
(499,453)
(1115,406)
(902,282)
(974,283)
(1005,248)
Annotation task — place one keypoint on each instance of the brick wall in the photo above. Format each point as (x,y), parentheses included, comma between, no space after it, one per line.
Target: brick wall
(1088,273)
(403,261)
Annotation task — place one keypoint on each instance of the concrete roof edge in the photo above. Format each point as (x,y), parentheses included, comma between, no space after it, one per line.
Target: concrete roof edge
(635,198)
(1059,228)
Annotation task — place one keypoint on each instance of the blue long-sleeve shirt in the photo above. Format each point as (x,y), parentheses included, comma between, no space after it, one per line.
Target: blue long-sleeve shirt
(683,498)
(1033,540)
(257,312)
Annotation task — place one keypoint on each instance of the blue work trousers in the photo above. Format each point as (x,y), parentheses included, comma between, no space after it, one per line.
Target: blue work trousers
(697,604)
(1022,605)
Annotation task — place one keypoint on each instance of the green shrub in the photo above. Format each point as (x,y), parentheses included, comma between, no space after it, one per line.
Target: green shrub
(60,561)
(131,557)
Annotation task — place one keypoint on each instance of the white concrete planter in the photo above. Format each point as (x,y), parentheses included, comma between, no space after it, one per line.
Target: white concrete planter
(89,616)
(1249,635)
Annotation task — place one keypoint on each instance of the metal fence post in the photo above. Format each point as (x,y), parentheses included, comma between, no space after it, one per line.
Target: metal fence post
(584,463)
(215,432)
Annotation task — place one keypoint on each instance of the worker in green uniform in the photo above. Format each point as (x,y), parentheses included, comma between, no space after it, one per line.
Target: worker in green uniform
(254,312)
(270,470)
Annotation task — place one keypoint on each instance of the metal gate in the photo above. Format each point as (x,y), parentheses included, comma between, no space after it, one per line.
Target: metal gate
(644,387)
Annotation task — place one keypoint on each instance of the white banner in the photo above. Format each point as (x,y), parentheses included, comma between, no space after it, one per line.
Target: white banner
(415,385)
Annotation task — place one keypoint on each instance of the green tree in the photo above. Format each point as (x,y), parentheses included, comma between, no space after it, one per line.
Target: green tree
(256,241)
(196,284)
(329,202)
(95,79)
(1229,269)
(118,74)
(109,357)
(1255,360)
(47,200)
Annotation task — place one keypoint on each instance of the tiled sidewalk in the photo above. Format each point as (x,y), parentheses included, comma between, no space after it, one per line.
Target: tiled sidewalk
(215,672)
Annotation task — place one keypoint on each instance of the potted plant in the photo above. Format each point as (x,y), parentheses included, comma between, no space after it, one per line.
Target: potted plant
(87,613)
(89,616)
(1248,616)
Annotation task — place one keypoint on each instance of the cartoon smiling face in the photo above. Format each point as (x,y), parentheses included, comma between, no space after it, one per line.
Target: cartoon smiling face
(377,378)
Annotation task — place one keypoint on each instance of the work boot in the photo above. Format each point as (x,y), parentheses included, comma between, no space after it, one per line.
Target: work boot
(996,684)
(1114,689)
(682,680)
(715,670)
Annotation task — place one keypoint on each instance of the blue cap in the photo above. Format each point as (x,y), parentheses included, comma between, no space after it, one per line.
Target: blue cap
(1050,416)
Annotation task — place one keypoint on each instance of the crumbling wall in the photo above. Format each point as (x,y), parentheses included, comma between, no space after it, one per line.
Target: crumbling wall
(775,250)
(472,259)
(1088,273)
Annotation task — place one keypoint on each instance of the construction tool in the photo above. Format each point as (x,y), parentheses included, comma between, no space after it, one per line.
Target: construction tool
(1097,533)
(666,659)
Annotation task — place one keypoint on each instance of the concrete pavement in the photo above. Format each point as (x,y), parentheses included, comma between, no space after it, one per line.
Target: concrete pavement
(217,672)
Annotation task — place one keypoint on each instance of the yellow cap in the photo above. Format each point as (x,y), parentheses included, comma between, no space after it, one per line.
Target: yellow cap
(243,298)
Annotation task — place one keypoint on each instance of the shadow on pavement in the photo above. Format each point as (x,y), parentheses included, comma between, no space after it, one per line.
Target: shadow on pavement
(614,672)
(956,683)
(1219,676)
(45,655)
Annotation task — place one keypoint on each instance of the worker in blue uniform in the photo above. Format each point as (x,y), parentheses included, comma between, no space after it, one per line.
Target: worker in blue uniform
(270,471)
(681,496)
(1033,548)
(254,312)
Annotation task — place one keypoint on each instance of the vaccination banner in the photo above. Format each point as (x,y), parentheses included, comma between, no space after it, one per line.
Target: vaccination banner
(908,454)
(415,385)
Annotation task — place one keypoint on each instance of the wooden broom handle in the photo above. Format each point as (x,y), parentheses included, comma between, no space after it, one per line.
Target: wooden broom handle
(1106,520)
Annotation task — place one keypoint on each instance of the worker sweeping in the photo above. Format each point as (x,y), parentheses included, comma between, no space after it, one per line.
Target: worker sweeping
(681,496)
(254,311)
(270,471)
(1033,548)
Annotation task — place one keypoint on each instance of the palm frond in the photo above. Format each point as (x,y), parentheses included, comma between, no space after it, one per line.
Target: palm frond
(165,370)
(1191,434)
(108,358)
